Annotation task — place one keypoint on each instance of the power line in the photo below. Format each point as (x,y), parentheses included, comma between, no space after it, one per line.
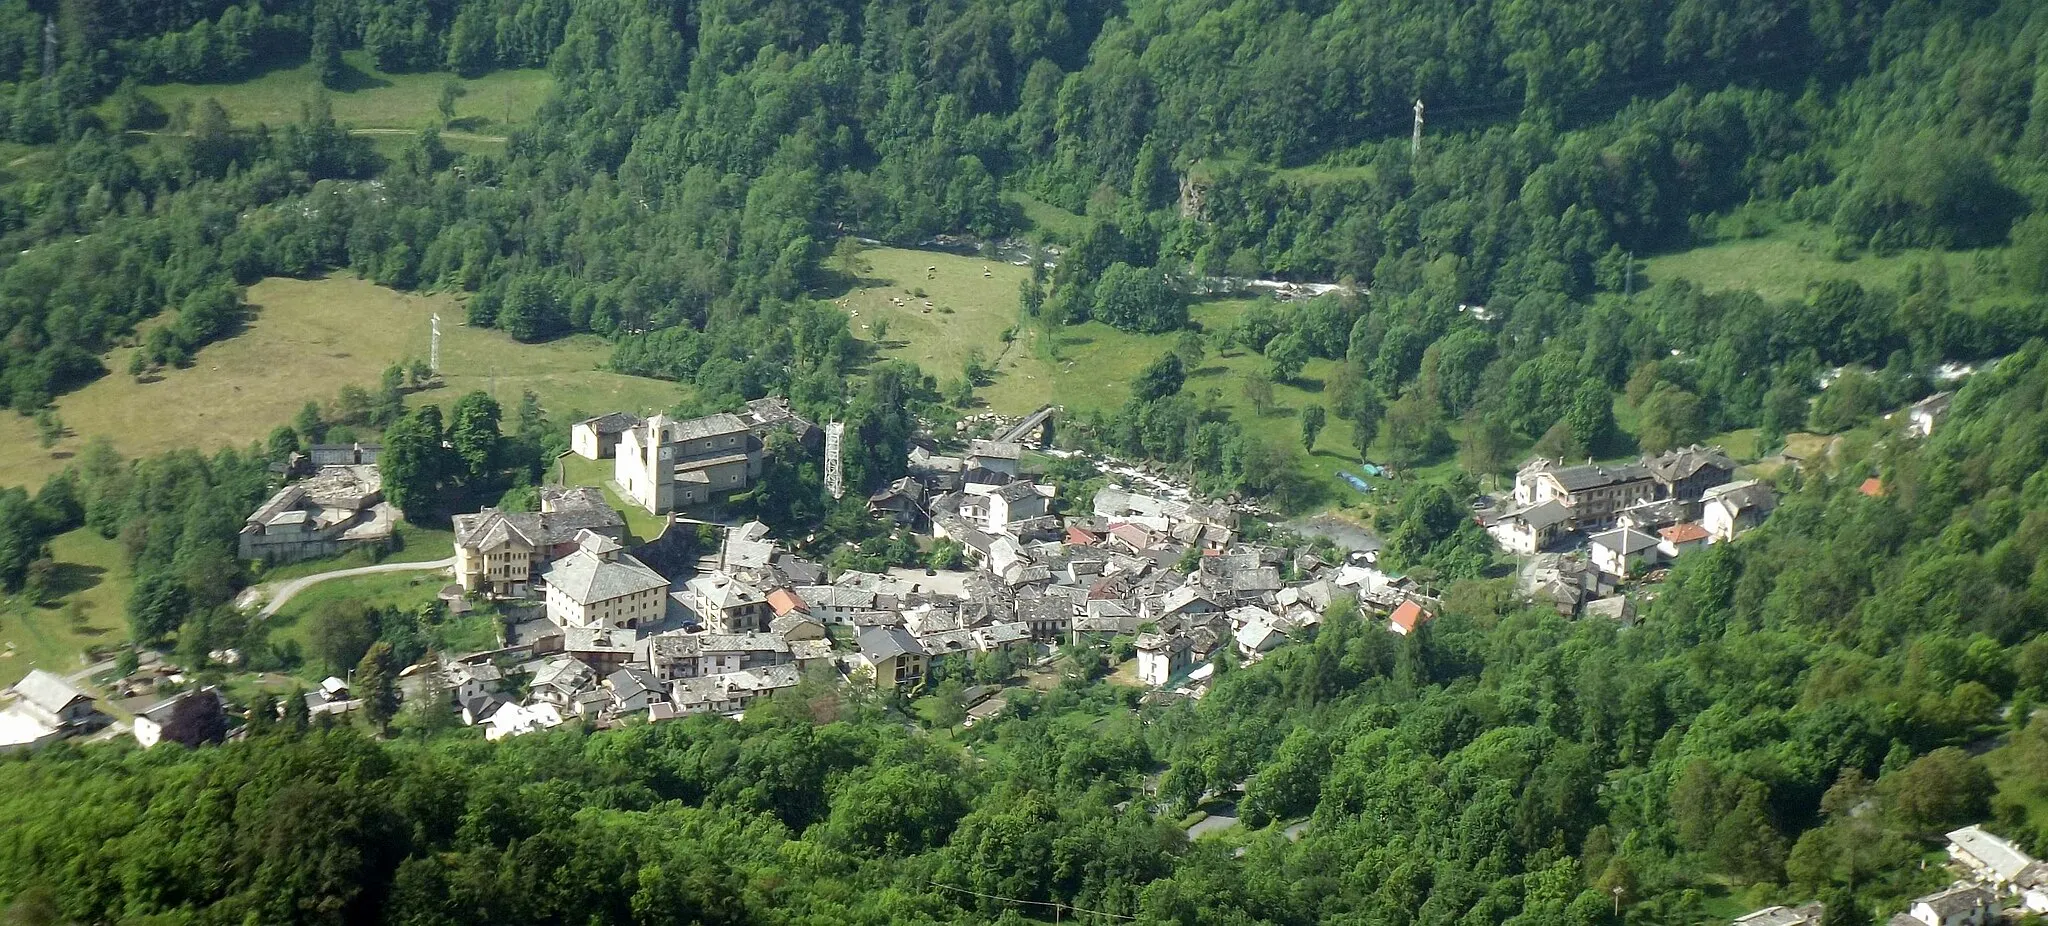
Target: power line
(1057,908)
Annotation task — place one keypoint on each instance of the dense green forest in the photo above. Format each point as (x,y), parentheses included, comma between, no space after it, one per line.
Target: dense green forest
(682,189)
(1787,715)
(1786,723)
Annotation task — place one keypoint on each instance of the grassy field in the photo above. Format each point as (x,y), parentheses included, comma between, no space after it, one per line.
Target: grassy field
(1055,223)
(391,589)
(972,302)
(1782,264)
(92,573)
(372,99)
(305,340)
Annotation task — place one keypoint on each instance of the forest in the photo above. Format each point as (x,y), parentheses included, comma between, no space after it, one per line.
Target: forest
(682,191)
(1788,722)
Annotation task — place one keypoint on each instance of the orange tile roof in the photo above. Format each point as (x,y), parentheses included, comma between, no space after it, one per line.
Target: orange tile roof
(784,601)
(1409,616)
(1683,533)
(1873,487)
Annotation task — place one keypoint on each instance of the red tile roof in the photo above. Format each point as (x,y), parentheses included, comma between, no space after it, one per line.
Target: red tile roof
(784,601)
(1409,616)
(1683,533)
(1082,537)
(1873,487)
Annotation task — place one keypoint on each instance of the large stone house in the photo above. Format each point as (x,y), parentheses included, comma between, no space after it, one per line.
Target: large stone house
(728,604)
(1688,472)
(664,465)
(337,507)
(1594,493)
(599,587)
(498,553)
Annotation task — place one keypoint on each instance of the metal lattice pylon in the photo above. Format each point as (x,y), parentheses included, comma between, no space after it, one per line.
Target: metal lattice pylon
(835,470)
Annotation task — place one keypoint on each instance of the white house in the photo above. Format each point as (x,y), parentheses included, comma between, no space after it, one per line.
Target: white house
(188,718)
(599,587)
(1958,905)
(1623,551)
(1163,656)
(1530,529)
(598,438)
(1728,510)
(1679,539)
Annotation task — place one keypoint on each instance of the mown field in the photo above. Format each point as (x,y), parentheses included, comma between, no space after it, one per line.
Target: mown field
(88,608)
(306,339)
(375,101)
(1792,257)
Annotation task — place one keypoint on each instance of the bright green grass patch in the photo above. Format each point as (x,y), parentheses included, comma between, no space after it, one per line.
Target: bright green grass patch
(1741,444)
(88,608)
(972,302)
(295,623)
(372,98)
(577,471)
(415,545)
(1784,263)
(1057,224)
(304,341)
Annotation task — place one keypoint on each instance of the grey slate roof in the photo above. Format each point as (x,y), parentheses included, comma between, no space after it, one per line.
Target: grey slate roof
(587,579)
(1673,465)
(719,425)
(1628,541)
(1598,475)
(48,691)
(879,643)
(614,422)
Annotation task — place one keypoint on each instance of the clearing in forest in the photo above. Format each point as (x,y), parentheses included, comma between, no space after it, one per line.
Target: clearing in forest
(305,339)
(373,100)
(1785,262)
(88,597)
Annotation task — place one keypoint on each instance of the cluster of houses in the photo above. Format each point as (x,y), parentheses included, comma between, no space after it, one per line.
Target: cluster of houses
(46,708)
(1993,873)
(1631,516)
(615,637)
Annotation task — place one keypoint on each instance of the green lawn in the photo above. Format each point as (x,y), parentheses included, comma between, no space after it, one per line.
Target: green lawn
(92,583)
(396,589)
(304,341)
(972,302)
(577,471)
(1055,223)
(1783,263)
(372,99)
(416,545)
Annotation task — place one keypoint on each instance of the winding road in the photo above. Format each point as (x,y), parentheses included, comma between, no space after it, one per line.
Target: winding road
(283,592)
